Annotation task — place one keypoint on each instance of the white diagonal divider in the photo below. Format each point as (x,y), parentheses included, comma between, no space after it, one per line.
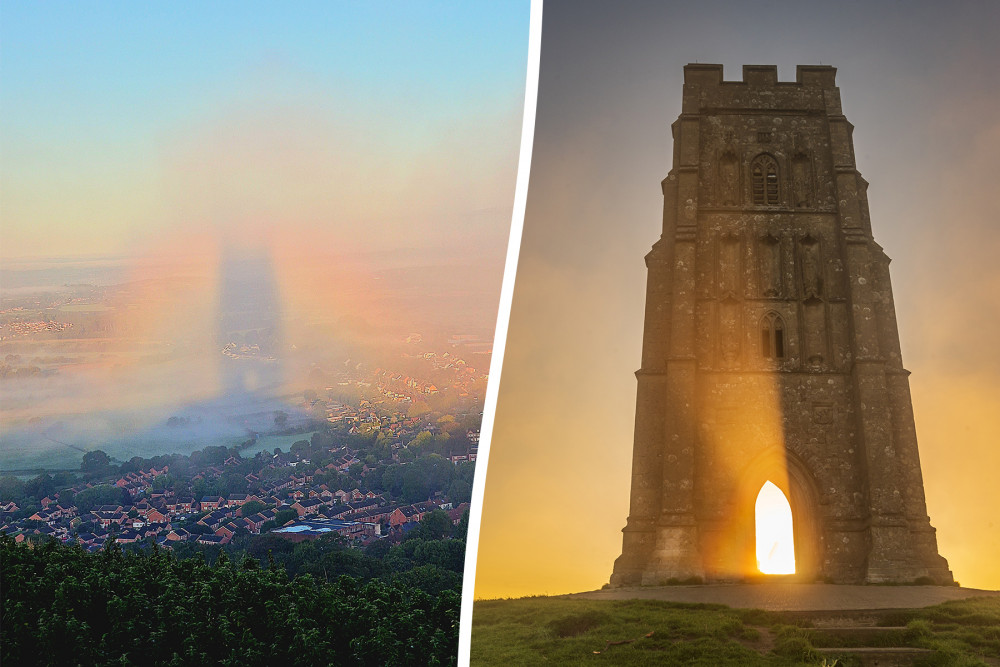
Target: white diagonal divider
(500,338)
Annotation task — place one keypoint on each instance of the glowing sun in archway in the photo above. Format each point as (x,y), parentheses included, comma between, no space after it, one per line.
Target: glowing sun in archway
(775,543)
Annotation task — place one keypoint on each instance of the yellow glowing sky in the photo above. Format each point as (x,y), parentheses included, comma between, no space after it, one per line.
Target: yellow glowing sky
(921,89)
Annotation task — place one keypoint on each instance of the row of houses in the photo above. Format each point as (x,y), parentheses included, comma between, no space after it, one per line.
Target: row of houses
(362,517)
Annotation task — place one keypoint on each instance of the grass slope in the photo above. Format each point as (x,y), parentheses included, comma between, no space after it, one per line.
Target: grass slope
(539,630)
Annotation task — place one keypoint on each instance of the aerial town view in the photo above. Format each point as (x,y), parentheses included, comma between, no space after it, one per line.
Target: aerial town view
(361,449)
(340,458)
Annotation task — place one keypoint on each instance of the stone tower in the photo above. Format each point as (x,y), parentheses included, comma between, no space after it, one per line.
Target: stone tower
(770,350)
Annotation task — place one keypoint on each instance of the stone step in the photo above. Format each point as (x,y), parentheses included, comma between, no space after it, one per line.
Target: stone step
(858,636)
(847,618)
(882,657)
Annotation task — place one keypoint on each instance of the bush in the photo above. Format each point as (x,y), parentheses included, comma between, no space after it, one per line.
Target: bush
(577,624)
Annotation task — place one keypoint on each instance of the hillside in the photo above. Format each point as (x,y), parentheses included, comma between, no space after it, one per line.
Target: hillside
(553,630)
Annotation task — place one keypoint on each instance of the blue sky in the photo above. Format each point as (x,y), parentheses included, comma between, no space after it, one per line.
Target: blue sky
(89,59)
(95,93)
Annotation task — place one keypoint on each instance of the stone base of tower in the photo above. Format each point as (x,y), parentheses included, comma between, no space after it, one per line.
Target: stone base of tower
(901,555)
(638,539)
(908,572)
(674,550)
(656,555)
(935,565)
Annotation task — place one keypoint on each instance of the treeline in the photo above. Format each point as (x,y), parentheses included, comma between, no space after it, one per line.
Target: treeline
(62,606)
(426,472)
(431,557)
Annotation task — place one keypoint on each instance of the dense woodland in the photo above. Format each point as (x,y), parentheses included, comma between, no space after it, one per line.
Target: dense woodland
(397,605)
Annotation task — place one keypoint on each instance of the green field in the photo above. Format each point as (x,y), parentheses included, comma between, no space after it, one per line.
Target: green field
(561,631)
(33,451)
(269,443)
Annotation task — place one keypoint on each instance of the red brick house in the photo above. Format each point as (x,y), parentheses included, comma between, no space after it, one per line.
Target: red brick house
(155,516)
(225,531)
(306,507)
(212,502)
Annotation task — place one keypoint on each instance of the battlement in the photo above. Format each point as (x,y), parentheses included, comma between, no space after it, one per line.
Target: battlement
(761,76)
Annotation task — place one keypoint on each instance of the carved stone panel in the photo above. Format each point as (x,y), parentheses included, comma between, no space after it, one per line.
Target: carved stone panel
(802,186)
(729,179)
(729,265)
(729,331)
(812,278)
(770,266)
(814,332)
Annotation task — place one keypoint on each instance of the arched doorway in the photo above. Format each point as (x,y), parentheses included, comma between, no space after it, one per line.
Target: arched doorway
(773,531)
(794,482)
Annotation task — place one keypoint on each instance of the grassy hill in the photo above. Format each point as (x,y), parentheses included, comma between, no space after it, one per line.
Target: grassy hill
(561,631)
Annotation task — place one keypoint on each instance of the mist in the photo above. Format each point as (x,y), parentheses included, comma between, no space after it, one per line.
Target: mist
(208,214)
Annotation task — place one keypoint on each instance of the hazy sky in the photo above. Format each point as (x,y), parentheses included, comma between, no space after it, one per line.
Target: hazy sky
(920,83)
(370,124)
(365,151)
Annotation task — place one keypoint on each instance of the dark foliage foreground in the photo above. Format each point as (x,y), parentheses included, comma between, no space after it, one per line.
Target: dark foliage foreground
(62,606)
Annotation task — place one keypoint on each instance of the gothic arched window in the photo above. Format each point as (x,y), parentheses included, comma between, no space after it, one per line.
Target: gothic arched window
(764,180)
(772,336)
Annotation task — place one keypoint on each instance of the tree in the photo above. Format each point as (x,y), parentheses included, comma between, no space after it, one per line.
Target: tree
(414,485)
(322,440)
(461,529)
(252,507)
(161,482)
(280,418)
(95,496)
(11,488)
(421,442)
(392,480)
(447,554)
(417,409)
(372,480)
(284,516)
(95,461)
(430,579)
(435,525)
(39,487)
(134,464)
(232,482)
(300,448)
(460,492)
